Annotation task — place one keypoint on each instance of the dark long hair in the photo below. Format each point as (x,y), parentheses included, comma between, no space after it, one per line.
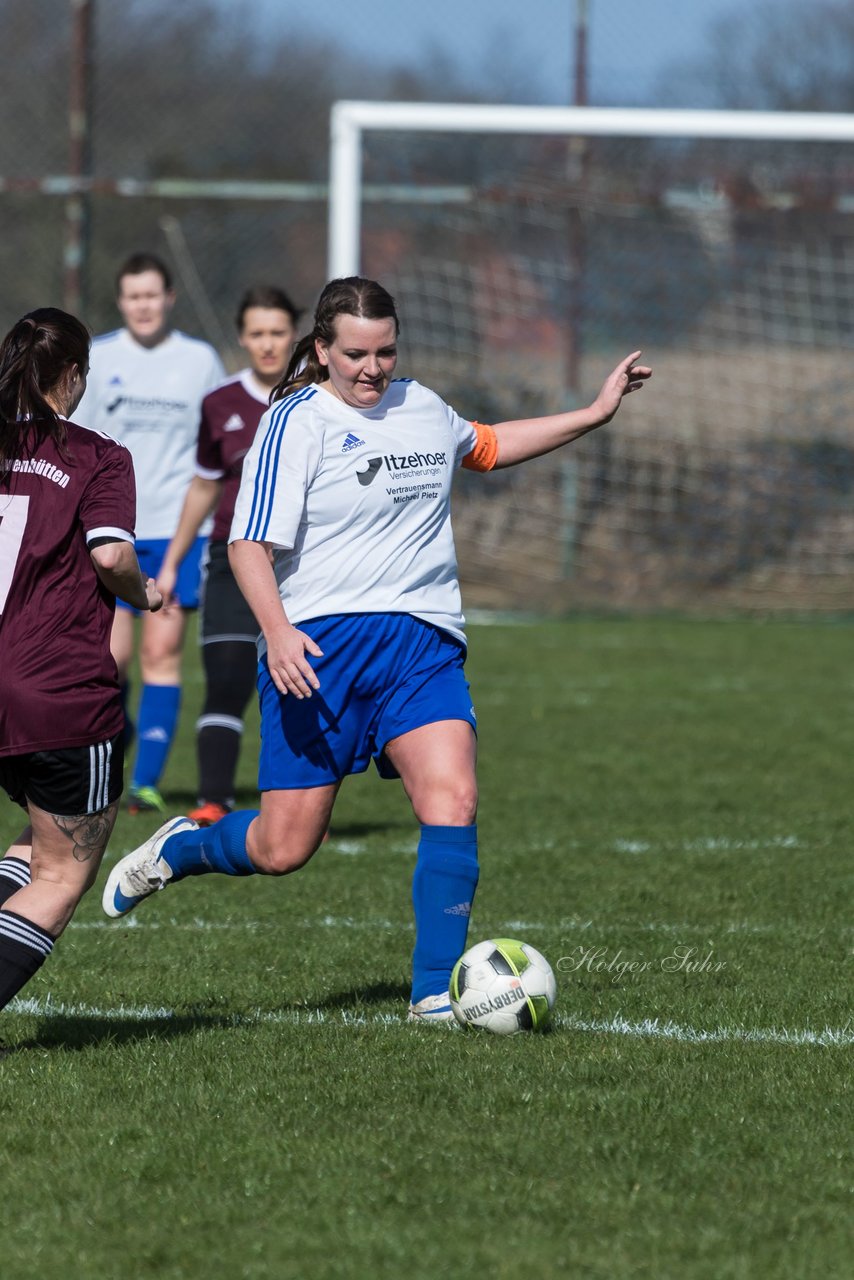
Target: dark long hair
(349,296)
(35,355)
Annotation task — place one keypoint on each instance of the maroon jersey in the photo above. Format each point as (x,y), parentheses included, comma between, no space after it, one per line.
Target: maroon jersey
(59,681)
(230,417)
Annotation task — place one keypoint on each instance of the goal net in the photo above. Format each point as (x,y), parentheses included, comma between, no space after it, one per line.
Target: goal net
(530,248)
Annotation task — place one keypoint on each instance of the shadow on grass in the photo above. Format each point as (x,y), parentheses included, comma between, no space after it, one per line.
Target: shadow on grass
(72,1033)
(179,803)
(361,997)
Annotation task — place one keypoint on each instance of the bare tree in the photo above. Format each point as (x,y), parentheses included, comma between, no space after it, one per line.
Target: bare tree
(778,55)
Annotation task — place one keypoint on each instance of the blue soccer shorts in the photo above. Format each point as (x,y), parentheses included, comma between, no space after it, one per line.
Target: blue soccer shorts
(381,675)
(150,553)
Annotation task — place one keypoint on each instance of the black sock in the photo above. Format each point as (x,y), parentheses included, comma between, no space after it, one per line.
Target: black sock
(218,749)
(24,947)
(14,875)
(231,667)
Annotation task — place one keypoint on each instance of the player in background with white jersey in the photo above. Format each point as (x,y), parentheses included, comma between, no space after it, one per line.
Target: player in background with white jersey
(66,551)
(146,385)
(348,487)
(266,327)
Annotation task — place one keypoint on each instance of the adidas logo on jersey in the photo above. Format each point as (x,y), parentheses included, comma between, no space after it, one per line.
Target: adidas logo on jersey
(234,423)
(461,909)
(352,442)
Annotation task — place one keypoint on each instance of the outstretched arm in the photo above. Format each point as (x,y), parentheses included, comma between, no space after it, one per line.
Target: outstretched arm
(530,437)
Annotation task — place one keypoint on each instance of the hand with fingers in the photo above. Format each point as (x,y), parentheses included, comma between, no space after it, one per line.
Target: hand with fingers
(153,595)
(289,667)
(627,377)
(166,579)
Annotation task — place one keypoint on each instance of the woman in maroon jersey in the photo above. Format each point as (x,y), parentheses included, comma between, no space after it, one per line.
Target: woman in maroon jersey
(67,513)
(266,327)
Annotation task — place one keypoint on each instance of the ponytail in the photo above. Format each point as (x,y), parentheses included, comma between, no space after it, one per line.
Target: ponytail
(35,355)
(303,369)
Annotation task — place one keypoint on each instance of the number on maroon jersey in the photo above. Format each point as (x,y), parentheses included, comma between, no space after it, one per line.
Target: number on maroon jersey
(13,521)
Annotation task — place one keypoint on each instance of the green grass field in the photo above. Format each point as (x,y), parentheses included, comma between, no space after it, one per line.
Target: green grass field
(224,1084)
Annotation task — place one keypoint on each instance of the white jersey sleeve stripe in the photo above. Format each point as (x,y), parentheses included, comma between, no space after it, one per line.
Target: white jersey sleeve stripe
(265,483)
(120,535)
(268,463)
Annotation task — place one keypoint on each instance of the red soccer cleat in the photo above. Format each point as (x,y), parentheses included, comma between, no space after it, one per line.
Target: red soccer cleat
(208,813)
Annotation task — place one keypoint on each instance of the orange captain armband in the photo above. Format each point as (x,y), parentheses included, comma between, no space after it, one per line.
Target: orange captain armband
(484,455)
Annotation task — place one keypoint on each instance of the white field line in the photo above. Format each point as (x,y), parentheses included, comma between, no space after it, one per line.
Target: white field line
(354,848)
(348,848)
(248,926)
(648,1028)
(703,844)
(709,844)
(504,929)
(654,1028)
(499,618)
(674,928)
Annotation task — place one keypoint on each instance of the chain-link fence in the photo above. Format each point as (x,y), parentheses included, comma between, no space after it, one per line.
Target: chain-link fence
(208,143)
(188,103)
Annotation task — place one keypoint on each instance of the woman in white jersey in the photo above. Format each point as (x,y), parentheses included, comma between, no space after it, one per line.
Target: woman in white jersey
(342,545)
(145,389)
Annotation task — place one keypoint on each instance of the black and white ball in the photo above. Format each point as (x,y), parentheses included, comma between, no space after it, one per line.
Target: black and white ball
(504,986)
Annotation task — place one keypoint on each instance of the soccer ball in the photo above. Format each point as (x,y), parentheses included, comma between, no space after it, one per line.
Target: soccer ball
(504,986)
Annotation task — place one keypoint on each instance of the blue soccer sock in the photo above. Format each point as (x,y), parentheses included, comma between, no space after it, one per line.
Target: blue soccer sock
(443,888)
(156,723)
(220,847)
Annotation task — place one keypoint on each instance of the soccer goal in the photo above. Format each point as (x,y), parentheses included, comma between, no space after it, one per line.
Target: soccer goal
(532,247)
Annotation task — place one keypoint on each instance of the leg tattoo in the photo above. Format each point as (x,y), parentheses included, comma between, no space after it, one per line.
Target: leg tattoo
(89,832)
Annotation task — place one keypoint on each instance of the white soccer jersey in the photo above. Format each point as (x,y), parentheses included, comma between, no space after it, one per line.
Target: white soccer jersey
(357,503)
(149,398)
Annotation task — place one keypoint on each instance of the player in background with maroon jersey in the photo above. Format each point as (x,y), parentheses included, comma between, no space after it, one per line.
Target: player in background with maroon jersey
(67,514)
(266,325)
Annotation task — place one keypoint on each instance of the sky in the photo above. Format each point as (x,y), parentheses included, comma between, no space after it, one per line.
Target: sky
(496,41)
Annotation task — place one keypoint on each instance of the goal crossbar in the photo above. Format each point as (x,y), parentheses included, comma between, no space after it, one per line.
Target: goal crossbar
(350,120)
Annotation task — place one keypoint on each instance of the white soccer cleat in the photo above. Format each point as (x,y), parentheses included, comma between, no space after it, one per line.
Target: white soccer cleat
(433,1011)
(139,874)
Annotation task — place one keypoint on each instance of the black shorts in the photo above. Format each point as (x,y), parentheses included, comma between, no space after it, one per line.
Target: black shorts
(225,614)
(69,781)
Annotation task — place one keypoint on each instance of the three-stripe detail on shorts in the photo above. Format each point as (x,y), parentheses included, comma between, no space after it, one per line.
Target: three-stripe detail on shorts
(100,756)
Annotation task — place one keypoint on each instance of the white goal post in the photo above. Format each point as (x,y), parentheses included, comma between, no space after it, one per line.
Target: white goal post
(350,120)
(529,247)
